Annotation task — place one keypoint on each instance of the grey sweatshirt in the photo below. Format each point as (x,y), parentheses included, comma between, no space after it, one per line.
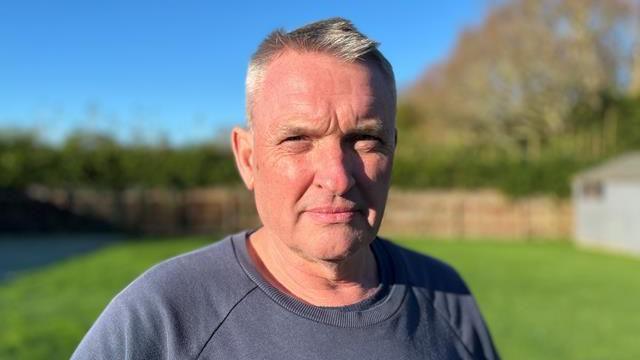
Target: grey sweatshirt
(213,304)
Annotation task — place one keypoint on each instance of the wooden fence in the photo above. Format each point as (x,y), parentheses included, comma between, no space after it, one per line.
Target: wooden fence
(477,215)
(447,214)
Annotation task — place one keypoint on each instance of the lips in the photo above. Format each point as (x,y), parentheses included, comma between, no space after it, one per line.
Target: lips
(332,215)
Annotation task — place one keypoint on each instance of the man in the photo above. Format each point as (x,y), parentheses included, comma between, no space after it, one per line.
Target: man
(315,281)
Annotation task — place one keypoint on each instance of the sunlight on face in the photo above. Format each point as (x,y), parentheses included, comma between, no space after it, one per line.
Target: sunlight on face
(323,143)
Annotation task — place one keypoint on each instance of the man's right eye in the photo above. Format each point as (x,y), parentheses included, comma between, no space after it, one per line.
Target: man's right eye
(294,138)
(296,143)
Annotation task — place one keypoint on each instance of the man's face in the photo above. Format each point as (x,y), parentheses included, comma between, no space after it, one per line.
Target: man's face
(322,143)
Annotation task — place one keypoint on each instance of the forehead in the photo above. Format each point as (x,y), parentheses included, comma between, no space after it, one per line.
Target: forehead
(320,86)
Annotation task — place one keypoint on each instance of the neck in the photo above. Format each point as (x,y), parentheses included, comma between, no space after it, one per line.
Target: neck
(313,281)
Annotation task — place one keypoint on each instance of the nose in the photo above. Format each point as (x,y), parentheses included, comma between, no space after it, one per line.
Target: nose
(334,171)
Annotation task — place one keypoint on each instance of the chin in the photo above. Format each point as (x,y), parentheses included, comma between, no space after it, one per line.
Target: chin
(339,243)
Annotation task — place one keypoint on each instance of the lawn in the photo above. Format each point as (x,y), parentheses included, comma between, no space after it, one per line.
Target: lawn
(541,300)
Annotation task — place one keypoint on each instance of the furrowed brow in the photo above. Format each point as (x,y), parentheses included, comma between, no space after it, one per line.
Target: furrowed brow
(373,127)
(370,126)
(288,129)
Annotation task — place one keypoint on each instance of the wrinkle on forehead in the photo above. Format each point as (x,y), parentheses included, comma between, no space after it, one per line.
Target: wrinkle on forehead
(371,125)
(302,111)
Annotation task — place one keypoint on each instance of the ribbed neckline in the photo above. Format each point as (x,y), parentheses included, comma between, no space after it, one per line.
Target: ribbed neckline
(379,307)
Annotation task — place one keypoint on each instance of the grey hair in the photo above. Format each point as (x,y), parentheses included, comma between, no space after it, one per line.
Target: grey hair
(335,36)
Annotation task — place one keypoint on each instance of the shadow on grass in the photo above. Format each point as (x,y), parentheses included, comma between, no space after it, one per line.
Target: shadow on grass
(35,233)
(20,252)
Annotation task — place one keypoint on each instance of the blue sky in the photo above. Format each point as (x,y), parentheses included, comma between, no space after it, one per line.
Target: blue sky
(175,69)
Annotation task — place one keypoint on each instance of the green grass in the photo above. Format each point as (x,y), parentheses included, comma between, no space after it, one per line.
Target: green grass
(541,300)
(551,300)
(44,314)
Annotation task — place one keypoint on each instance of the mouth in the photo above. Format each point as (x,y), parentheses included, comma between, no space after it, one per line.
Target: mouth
(333,215)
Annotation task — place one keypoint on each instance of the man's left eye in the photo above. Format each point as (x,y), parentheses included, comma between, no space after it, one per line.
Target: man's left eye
(367,143)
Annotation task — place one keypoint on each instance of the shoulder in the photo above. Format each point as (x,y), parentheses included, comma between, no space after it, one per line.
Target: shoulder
(172,309)
(433,279)
(441,288)
(186,277)
(425,271)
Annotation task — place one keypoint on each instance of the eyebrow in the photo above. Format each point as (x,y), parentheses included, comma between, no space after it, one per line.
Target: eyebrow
(369,126)
(373,126)
(292,129)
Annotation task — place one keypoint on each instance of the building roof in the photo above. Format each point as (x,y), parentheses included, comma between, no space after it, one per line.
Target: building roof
(624,167)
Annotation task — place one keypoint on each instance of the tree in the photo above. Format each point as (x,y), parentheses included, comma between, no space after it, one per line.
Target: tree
(513,80)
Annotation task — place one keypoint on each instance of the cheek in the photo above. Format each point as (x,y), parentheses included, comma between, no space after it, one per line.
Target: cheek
(377,176)
(293,169)
(377,171)
(282,179)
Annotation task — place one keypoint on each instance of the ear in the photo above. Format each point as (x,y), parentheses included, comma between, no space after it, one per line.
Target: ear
(242,146)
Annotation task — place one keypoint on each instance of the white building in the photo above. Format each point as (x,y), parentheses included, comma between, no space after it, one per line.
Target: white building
(606,203)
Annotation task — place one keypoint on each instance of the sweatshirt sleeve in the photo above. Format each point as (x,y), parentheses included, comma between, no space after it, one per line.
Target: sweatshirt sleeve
(126,329)
(170,311)
(463,314)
